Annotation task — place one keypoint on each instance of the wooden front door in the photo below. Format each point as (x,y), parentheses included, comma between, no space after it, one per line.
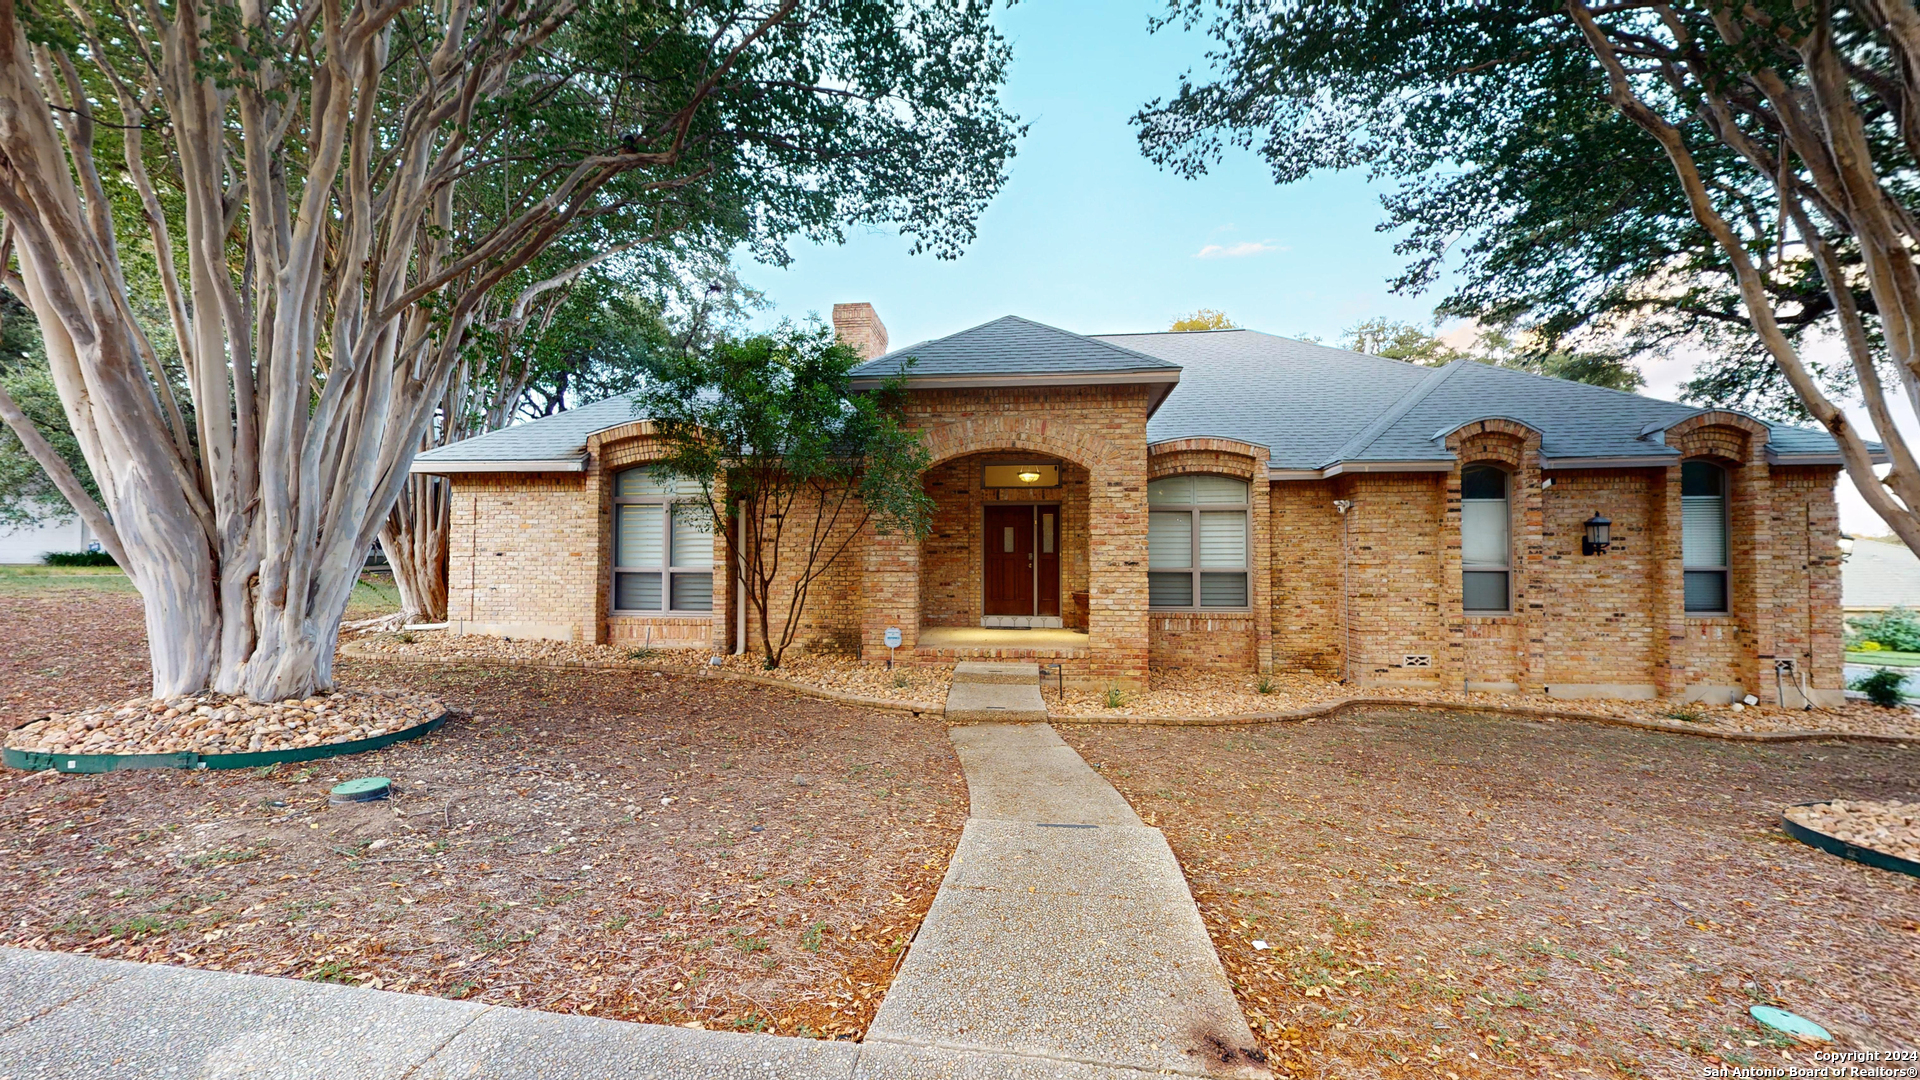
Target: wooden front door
(1022,560)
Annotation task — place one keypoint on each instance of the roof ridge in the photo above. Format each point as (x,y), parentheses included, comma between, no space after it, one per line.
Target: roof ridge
(551,420)
(1154,360)
(1370,434)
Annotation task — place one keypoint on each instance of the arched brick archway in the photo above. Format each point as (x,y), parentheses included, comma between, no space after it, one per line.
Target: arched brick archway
(1006,435)
(1108,446)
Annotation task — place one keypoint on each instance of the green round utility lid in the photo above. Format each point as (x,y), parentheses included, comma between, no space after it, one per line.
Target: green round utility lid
(1781,1020)
(365,789)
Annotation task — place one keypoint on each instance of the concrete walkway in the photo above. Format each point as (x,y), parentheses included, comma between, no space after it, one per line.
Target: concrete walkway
(1064,931)
(995,692)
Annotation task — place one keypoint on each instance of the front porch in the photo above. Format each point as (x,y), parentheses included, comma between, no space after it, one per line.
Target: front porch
(951,644)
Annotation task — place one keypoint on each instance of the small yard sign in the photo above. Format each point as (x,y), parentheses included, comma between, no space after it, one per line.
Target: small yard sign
(893,637)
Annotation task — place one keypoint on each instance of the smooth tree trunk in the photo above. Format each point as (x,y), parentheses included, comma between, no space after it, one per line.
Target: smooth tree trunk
(319,312)
(414,536)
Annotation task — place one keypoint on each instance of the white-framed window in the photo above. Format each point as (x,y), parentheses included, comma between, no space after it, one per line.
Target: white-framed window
(1198,543)
(1703,537)
(1486,541)
(662,545)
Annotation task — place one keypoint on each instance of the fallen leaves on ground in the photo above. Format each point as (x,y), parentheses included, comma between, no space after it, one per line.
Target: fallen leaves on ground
(635,845)
(1450,895)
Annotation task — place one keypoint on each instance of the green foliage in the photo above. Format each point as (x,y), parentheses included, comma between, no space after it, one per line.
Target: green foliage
(78,558)
(806,461)
(1203,319)
(27,495)
(1896,628)
(1405,341)
(1514,176)
(1882,687)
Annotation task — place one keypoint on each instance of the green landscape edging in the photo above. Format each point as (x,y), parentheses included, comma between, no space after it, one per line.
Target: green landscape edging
(38,760)
(1833,845)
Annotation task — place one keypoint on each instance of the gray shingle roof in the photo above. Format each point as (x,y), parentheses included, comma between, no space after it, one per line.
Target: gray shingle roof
(560,437)
(1311,406)
(1880,574)
(1013,346)
(1300,401)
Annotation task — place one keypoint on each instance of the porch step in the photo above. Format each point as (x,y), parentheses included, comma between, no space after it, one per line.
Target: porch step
(996,702)
(996,671)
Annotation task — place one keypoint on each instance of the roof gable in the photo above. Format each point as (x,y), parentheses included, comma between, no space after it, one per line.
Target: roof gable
(1013,346)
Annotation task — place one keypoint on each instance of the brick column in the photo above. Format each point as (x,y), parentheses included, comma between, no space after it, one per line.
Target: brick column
(1753,570)
(1450,667)
(1667,591)
(889,592)
(1117,572)
(1529,578)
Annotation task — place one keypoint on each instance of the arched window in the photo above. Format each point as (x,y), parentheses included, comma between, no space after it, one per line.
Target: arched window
(1703,536)
(1197,542)
(1486,541)
(662,545)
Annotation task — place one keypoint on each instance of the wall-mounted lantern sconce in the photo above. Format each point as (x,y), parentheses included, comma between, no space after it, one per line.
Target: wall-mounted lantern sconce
(1599,535)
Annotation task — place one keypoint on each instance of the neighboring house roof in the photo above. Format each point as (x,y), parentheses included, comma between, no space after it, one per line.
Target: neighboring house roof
(1880,574)
(1317,410)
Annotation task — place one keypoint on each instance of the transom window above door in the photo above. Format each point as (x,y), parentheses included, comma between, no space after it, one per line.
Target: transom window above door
(1197,543)
(662,545)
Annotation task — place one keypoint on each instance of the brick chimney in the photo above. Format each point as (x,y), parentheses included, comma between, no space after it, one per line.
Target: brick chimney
(859,325)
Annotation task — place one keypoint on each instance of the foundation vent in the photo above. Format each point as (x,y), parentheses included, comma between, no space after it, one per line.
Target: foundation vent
(1424,660)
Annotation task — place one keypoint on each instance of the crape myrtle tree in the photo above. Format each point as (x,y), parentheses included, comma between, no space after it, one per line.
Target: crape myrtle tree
(804,462)
(332,190)
(1738,176)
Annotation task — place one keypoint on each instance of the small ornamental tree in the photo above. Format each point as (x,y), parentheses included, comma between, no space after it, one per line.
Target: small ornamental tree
(805,463)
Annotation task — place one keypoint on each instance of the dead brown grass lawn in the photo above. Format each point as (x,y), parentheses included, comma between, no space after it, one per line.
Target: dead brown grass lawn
(635,845)
(1449,895)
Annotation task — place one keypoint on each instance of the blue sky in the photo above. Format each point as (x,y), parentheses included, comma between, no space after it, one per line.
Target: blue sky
(1090,236)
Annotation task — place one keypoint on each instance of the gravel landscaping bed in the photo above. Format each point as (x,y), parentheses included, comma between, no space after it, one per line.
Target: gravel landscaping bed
(211,723)
(1892,828)
(1179,693)
(920,687)
(1421,893)
(631,844)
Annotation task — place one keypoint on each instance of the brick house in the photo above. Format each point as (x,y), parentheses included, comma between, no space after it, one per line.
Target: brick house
(1226,499)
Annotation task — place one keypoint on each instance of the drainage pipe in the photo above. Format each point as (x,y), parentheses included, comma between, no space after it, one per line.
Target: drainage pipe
(1346,616)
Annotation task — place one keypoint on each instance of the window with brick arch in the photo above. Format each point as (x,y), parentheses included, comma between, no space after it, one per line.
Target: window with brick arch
(1486,541)
(1198,543)
(662,545)
(1703,537)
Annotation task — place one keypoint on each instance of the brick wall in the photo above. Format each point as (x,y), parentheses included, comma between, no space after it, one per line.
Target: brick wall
(1305,576)
(521,555)
(530,555)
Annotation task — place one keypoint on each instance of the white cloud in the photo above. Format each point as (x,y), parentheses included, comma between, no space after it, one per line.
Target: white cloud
(1240,250)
